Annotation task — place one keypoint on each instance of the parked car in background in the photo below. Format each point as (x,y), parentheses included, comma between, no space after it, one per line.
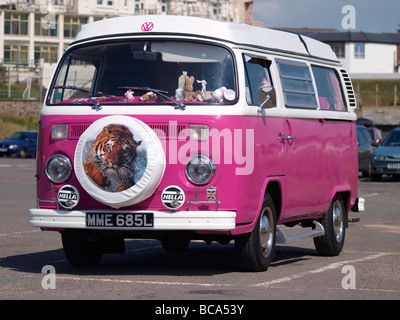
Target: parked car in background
(21,144)
(376,134)
(366,146)
(386,158)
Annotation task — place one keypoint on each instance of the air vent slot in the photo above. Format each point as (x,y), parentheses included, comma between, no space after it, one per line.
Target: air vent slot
(349,88)
(172,130)
(164,131)
(76,130)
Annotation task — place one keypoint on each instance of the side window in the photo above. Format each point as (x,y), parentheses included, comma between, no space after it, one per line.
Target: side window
(257,76)
(363,136)
(330,93)
(297,84)
(360,136)
(75,72)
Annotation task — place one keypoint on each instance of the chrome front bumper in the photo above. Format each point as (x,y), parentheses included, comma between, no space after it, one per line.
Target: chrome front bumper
(180,220)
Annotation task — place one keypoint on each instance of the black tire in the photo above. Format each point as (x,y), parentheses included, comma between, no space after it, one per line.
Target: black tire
(367,173)
(376,177)
(22,153)
(331,243)
(175,244)
(81,251)
(256,250)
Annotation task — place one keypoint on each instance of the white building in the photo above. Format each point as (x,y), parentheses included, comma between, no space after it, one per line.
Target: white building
(363,54)
(31,30)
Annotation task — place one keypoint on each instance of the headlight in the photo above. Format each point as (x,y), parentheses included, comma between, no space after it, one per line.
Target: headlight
(200,169)
(58,168)
(379,158)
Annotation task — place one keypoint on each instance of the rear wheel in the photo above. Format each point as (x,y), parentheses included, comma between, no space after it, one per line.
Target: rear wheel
(256,250)
(331,243)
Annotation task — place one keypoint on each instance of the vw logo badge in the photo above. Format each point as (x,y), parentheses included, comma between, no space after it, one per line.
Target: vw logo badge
(147,26)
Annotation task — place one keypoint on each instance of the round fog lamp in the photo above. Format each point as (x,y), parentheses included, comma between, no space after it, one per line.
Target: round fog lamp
(200,169)
(58,168)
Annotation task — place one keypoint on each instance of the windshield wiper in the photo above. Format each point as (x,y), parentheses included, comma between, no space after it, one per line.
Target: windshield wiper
(162,93)
(85,92)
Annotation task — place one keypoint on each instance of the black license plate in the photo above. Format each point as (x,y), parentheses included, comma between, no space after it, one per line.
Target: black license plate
(131,220)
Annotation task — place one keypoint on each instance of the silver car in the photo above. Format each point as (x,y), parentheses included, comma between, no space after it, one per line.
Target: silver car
(386,158)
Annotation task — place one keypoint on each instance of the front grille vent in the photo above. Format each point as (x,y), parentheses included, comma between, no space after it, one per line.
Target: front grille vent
(164,131)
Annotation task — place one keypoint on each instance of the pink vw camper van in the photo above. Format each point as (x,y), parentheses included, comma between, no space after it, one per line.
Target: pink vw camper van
(180,129)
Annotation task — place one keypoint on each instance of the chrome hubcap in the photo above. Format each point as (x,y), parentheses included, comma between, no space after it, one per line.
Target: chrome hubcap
(266,232)
(338,226)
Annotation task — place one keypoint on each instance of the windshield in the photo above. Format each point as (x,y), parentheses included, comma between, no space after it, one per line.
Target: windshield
(22,136)
(146,72)
(392,139)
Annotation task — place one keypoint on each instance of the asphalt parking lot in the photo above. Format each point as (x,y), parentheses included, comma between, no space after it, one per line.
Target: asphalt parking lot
(33,265)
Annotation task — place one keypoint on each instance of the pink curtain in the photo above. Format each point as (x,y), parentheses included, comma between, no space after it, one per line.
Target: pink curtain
(336,93)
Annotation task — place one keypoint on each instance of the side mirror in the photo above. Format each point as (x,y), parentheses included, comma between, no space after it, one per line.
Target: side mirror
(267,97)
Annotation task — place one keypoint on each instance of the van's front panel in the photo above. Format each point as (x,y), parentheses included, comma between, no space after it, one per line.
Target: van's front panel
(244,150)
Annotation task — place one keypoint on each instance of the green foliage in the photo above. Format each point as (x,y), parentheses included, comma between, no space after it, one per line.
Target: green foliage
(10,123)
(370,90)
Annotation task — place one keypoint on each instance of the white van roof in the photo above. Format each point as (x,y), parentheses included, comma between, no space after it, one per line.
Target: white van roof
(241,34)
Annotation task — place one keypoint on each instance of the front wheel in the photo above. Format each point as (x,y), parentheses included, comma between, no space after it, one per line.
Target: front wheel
(175,244)
(256,250)
(331,243)
(81,250)
(22,153)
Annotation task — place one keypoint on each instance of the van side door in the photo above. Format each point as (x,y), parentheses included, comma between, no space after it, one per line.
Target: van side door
(267,123)
(303,137)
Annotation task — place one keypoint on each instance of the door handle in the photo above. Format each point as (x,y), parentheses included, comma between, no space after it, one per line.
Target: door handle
(287,138)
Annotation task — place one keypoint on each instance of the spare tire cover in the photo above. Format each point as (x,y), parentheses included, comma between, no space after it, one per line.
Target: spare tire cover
(119,161)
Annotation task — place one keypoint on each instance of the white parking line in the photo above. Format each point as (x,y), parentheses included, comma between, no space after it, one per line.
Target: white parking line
(18,233)
(142,249)
(263,284)
(146,282)
(16,166)
(319,270)
(370,195)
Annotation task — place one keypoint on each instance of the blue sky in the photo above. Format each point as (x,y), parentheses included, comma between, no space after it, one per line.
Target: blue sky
(371,15)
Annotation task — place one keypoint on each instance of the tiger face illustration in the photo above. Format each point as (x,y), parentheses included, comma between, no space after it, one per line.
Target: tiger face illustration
(110,162)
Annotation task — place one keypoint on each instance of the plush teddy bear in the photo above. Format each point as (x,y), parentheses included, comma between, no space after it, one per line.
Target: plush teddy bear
(129,95)
(179,94)
(218,95)
(149,96)
(207,96)
(188,94)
